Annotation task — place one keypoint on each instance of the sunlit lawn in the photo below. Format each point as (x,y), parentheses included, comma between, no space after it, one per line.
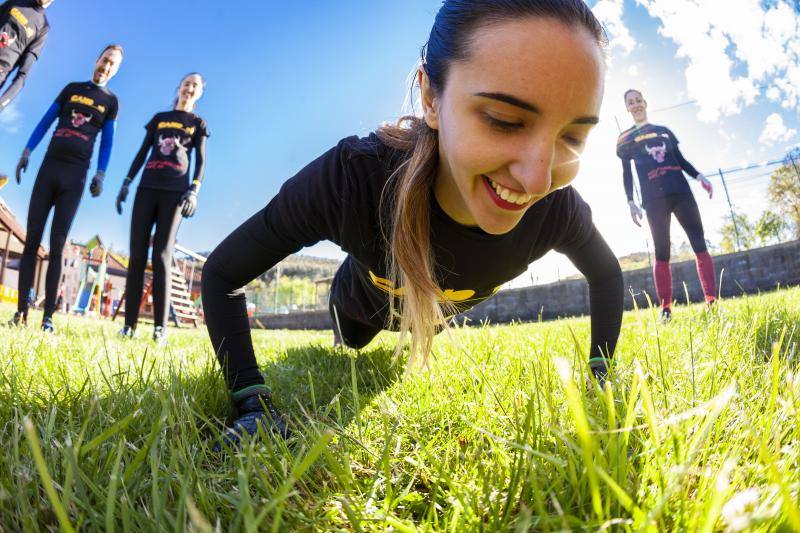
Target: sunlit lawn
(700,429)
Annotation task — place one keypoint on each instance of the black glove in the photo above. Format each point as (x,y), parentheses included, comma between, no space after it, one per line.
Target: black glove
(123,195)
(22,166)
(96,187)
(188,202)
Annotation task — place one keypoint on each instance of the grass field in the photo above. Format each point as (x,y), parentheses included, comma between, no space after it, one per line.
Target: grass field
(699,432)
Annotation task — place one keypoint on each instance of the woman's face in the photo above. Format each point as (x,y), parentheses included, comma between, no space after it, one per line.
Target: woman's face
(636,106)
(191,89)
(513,119)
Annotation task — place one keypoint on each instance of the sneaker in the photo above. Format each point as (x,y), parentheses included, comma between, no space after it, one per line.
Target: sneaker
(127,332)
(666,315)
(19,320)
(159,334)
(47,325)
(254,411)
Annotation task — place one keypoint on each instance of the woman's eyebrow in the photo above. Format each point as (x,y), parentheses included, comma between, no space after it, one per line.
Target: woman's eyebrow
(511,100)
(522,104)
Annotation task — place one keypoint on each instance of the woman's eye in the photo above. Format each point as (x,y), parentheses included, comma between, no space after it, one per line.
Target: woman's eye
(502,125)
(573,141)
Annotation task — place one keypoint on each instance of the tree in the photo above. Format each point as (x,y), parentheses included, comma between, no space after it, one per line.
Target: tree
(742,227)
(771,227)
(784,190)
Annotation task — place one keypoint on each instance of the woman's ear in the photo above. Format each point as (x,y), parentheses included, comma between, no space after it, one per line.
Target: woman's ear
(430,103)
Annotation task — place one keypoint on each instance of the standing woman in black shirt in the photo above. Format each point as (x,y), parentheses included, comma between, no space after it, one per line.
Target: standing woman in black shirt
(660,166)
(23,32)
(82,111)
(437,211)
(164,195)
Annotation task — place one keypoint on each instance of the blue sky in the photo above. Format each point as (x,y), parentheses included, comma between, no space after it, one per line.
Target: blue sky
(287,80)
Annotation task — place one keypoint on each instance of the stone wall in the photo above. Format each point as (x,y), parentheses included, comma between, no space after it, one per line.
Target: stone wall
(752,271)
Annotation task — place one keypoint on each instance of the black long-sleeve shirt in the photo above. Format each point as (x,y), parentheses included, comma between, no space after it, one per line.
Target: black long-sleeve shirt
(169,140)
(337,197)
(23,33)
(659,162)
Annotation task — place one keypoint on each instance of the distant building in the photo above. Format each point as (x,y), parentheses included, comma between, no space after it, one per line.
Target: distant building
(12,241)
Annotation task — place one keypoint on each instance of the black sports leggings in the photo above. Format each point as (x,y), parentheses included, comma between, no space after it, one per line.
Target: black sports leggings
(659,213)
(159,208)
(58,185)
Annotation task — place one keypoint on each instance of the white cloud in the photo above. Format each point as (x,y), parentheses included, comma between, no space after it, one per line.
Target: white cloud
(633,71)
(10,118)
(733,48)
(609,12)
(775,131)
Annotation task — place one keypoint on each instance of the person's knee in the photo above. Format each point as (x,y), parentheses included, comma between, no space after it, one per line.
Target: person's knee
(57,243)
(662,255)
(698,243)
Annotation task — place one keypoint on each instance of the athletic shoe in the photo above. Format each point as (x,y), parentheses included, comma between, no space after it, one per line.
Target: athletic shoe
(599,370)
(254,411)
(19,320)
(666,315)
(160,335)
(47,325)
(126,332)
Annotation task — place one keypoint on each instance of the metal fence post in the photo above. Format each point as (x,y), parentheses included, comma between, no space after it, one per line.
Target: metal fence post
(730,206)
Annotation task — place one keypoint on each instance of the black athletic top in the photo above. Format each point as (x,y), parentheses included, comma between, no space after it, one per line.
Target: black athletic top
(23,32)
(170,137)
(337,198)
(84,108)
(659,162)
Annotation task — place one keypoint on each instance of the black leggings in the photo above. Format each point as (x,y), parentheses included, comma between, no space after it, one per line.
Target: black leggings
(159,208)
(659,213)
(58,185)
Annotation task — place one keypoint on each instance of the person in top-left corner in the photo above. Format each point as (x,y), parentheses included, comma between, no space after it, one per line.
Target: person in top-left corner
(83,110)
(23,32)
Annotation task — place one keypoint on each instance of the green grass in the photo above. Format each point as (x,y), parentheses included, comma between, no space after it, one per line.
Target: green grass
(501,433)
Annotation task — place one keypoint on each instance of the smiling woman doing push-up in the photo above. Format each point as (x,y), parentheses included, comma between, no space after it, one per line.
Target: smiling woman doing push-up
(439,210)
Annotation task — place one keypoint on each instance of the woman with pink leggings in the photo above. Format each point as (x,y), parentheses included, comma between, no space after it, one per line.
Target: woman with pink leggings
(665,191)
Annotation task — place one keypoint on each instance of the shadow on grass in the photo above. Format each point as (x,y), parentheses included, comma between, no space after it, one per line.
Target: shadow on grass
(327,385)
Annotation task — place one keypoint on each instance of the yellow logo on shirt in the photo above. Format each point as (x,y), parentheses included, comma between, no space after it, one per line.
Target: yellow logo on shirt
(85,100)
(17,14)
(645,137)
(176,126)
(449,295)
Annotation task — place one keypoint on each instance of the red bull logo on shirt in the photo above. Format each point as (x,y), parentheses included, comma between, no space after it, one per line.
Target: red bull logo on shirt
(79,119)
(6,40)
(659,153)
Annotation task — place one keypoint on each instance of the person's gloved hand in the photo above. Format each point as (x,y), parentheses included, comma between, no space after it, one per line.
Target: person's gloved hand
(22,166)
(122,195)
(636,213)
(706,185)
(96,187)
(188,203)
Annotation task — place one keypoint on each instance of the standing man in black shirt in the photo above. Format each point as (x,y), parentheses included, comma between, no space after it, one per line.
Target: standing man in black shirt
(660,166)
(23,32)
(163,197)
(83,109)
(437,211)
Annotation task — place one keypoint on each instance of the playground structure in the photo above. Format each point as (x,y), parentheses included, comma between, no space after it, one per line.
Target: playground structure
(184,290)
(12,241)
(94,290)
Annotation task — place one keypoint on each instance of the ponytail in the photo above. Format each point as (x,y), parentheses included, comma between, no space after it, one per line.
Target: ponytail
(422,309)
